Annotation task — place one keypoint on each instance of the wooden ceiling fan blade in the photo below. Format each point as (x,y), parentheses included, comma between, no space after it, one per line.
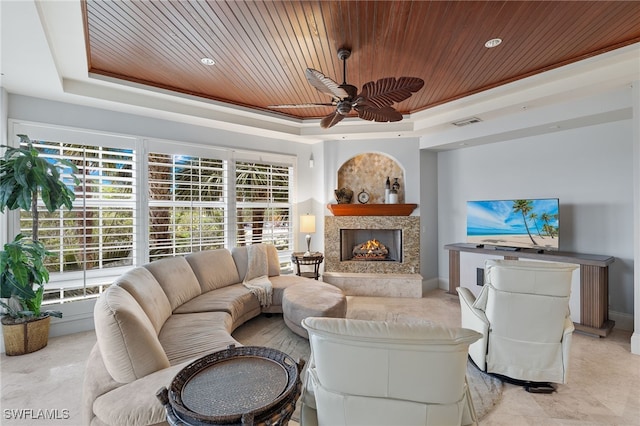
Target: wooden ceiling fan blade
(324,84)
(387,91)
(380,115)
(412,84)
(312,105)
(352,91)
(331,120)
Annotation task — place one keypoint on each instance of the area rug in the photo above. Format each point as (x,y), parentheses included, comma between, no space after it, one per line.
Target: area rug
(271,331)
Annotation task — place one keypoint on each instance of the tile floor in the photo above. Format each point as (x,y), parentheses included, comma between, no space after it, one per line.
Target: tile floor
(603,389)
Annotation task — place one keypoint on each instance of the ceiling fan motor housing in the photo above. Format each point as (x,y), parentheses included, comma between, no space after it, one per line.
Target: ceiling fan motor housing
(344,107)
(343,53)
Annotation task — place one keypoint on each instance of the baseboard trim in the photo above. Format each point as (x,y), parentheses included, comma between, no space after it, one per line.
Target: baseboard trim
(623,321)
(635,343)
(430,284)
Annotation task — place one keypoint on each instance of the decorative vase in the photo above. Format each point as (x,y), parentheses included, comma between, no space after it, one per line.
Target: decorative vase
(387,190)
(393,197)
(26,337)
(344,195)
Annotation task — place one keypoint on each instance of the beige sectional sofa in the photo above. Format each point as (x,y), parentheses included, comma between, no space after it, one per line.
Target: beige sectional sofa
(157,318)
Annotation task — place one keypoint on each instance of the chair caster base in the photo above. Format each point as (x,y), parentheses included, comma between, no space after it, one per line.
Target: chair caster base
(540,388)
(531,387)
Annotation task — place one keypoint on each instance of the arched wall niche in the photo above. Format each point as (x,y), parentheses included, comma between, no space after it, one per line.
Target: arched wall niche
(369,171)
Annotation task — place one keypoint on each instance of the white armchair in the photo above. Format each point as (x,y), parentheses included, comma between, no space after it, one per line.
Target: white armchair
(522,313)
(379,373)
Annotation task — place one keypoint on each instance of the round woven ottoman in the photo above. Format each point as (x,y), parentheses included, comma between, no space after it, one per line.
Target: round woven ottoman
(315,299)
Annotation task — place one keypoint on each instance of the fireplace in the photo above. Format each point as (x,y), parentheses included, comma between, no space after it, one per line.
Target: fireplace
(371,245)
(399,234)
(376,273)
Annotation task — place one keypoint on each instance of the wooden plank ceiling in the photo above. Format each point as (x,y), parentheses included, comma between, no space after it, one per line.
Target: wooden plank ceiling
(261,48)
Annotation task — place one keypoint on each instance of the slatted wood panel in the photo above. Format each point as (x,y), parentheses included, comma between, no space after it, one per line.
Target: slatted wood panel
(594,285)
(454,271)
(262,48)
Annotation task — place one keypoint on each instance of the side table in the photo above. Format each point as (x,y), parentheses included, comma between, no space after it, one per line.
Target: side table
(314,259)
(249,385)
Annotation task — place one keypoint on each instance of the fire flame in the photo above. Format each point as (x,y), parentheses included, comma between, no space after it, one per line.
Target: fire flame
(372,249)
(371,245)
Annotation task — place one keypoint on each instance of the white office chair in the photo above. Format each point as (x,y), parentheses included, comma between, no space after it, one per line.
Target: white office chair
(523,315)
(379,373)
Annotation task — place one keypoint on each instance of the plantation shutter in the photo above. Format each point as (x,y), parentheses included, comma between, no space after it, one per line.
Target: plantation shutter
(264,205)
(95,240)
(187,204)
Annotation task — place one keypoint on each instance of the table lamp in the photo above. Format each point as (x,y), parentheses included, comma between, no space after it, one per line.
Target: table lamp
(308,226)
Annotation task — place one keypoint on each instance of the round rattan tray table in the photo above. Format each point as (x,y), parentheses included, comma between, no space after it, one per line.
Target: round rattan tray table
(247,385)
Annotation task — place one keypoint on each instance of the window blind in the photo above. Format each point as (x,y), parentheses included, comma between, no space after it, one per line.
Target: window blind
(187,204)
(264,206)
(98,233)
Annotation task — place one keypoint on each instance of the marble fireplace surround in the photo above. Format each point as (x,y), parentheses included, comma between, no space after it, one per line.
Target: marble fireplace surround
(374,278)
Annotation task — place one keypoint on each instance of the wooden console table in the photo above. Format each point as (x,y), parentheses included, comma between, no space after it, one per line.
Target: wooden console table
(594,280)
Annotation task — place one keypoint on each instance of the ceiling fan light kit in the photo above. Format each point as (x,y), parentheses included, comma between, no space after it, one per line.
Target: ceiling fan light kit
(373,103)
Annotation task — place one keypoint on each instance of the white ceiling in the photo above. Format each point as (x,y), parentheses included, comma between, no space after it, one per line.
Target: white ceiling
(43,55)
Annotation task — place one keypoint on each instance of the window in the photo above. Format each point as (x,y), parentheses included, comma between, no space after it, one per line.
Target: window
(98,233)
(132,208)
(264,207)
(187,204)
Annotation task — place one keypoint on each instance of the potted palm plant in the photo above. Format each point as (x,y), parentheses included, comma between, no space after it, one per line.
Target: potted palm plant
(26,178)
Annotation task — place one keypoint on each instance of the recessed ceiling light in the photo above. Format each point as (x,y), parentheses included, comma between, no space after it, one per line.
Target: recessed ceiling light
(492,43)
(208,61)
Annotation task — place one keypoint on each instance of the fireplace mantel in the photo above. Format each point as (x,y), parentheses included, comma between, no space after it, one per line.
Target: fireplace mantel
(371,209)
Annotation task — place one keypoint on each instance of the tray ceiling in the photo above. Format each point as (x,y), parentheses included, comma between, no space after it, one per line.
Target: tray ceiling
(261,48)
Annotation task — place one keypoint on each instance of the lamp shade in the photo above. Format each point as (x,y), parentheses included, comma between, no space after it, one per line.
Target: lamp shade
(308,223)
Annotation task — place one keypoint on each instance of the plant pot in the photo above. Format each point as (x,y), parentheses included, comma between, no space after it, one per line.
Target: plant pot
(26,337)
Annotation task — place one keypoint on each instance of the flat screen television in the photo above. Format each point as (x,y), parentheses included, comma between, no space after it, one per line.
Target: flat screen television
(514,224)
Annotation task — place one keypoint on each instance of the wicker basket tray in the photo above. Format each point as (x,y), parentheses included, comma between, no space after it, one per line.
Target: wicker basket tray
(236,386)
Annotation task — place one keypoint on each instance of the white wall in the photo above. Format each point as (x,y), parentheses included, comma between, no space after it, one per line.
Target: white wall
(314,197)
(590,169)
(4,111)
(429,250)
(635,95)
(4,107)
(403,150)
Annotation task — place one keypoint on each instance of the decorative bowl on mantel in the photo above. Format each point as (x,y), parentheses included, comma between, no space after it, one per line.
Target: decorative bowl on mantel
(372,209)
(344,195)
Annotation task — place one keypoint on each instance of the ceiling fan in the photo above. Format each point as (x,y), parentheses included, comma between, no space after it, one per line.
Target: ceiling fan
(373,103)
